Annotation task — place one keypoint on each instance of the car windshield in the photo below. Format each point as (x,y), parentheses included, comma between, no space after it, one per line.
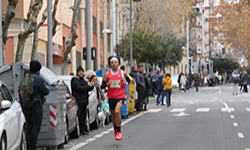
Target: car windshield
(5,94)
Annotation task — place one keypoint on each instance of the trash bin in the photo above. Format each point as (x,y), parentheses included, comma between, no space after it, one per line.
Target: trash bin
(131,95)
(53,129)
(124,110)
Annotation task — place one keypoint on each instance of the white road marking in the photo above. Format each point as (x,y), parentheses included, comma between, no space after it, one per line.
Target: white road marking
(90,139)
(247,149)
(235,124)
(202,110)
(78,146)
(154,110)
(248,109)
(178,110)
(181,114)
(98,135)
(227,109)
(231,116)
(240,135)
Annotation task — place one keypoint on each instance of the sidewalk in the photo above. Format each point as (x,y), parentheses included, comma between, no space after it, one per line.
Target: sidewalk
(153,100)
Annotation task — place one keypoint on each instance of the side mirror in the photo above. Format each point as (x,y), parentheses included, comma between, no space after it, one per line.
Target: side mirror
(5,104)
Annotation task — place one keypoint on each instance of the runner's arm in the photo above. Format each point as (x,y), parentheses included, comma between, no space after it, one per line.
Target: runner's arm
(104,81)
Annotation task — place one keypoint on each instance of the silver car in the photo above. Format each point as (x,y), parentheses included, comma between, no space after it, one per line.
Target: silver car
(92,121)
(12,122)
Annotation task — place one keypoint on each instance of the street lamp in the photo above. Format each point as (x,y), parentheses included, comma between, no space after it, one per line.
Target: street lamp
(131,38)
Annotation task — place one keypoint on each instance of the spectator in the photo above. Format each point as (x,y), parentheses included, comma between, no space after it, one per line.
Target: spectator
(160,91)
(154,78)
(167,83)
(123,67)
(244,81)
(34,115)
(146,91)
(140,88)
(80,89)
(235,79)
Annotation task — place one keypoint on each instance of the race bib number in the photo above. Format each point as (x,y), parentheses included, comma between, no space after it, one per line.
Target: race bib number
(116,84)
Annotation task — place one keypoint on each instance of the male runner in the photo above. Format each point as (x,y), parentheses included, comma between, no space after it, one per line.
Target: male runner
(115,80)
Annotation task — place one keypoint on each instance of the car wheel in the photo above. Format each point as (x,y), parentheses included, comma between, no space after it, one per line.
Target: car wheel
(23,144)
(95,124)
(76,132)
(3,143)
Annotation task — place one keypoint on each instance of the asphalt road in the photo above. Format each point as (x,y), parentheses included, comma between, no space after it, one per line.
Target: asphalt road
(211,119)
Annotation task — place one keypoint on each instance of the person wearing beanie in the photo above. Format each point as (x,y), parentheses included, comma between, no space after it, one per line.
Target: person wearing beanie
(80,89)
(34,115)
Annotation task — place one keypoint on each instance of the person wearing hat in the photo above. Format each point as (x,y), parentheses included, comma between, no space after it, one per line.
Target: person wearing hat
(80,89)
(34,115)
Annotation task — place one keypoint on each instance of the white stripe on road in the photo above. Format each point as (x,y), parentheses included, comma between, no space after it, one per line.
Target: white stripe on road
(178,110)
(231,116)
(90,139)
(154,110)
(248,109)
(202,110)
(227,109)
(235,124)
(240,135)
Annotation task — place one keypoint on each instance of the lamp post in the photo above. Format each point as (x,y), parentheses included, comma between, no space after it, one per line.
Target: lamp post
(49,44)
(131,37)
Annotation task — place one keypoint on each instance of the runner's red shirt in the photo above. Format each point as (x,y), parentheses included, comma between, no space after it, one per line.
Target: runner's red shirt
(117,89)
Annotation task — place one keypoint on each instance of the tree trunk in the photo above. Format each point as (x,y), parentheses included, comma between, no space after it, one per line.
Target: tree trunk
(54,18)
(70,42)
(8,17)
(33,12)
(35,40)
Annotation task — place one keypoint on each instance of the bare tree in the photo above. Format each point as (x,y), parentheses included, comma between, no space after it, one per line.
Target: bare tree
(35,7)
(70,42)
(8,17)
(44,17)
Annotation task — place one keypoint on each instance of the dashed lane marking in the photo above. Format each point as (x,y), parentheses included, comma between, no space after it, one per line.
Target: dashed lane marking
(202,110)
(235,124)
(240,135)
(178,110)
(231,116)
(248,109)
(154,110)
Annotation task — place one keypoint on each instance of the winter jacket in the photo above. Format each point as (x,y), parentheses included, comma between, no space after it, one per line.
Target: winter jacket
(159,83)
(244,78)
(40,89)
(140,82)
(235,78)
(167,82)
(147,89)
(80,89)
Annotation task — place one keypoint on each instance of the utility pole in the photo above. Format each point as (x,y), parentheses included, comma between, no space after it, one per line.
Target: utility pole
(187,46)
(1,37)
(49,44)
(131,41)
(88,28)
(114,25)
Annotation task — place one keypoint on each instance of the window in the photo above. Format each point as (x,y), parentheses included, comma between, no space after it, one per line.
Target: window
(101,28)
(78,58)
(5,94)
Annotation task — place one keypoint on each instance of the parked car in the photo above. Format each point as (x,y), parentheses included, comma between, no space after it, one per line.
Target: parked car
(175,80)
(92,121)
(12,121)
(72,122)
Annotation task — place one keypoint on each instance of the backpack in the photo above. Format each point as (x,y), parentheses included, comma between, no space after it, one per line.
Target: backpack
(235,79)
(26,91)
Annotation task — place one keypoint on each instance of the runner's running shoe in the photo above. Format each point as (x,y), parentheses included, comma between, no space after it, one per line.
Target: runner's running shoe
(118,136)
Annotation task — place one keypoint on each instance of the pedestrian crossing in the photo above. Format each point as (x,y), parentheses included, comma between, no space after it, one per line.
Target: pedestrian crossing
(200,110)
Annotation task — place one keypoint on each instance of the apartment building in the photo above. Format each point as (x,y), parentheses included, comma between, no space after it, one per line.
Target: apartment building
(101,42)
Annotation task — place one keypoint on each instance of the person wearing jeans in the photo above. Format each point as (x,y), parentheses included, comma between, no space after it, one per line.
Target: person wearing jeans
(160,91)
(167,83)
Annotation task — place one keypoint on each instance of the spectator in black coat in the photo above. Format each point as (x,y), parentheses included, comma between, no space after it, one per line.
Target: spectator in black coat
(80,89)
